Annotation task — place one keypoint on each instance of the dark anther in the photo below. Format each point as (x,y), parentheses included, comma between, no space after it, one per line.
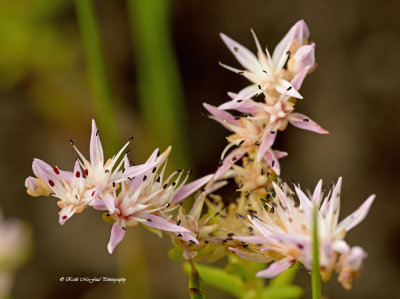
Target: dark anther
(108,214)
(179,222)
(71,141)
(272,132)
(154,170)
(158,179)
(144,178)
(259,86)
(179,170)
(306,120)
(179,236)
(273,163)
(191,241)
(55,169)
(168,205)
(124,228)
(165,186)
(173,184)
(113,184)
(236,49)
(289,88)
(130,139)
(97,133)
(149,220)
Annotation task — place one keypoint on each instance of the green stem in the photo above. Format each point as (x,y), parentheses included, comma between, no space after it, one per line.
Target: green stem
(315,275)
(160,95)
(196,284)
(96,71)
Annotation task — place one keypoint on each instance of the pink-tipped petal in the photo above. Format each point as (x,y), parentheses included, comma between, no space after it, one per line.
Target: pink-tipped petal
(229,160)
(243,55)
(305,202)
(96,149)
(188,237)
(188,189)
(275,268)
(284,87)
(32,184)
(317,195)
(117,234)
(282,197)
(267,140)
(304,57)
(98,204)
(65,214)
(109,202)
(304,122)
(136,170)
(357,216)
(247,92)
(272,156)
(298,79)
(221,116)
(161,223)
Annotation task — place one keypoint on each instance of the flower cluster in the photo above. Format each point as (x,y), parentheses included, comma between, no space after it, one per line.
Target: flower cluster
(267,223)
(130,194)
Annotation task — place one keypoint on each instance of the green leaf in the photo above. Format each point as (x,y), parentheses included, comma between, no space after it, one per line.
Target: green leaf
(280,292)
(245,269)
(219,279)
(315,275)
(97,75)
(286,278)
(196,284)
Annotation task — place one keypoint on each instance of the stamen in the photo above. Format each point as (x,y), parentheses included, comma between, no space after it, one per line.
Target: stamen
(51,183)
(78,174)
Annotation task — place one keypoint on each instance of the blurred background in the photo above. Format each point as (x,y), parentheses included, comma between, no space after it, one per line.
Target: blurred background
(143,68)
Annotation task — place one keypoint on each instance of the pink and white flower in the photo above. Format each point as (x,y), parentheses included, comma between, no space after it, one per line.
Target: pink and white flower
(105,174)
(285,230)
(148,199)
(266,72)
(69,187)
(248,134)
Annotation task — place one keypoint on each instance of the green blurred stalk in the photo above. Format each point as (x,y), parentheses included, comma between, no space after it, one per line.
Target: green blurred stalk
(160,95)
(132,260)
(96,71)
(315,275)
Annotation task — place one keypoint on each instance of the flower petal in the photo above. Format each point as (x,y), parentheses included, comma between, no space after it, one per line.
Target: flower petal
(298,79)
(304,122)
(188,189)
(245,57)
(229,160)
(221,116)
(357,216)
(267,140)
(161,223)
(304,57)
(275,268)
(247,92)
(272,156)
(109,202)
(117,234)
(285,88)
(96,150)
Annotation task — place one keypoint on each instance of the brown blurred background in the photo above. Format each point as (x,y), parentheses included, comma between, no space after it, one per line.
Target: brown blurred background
(45,100)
